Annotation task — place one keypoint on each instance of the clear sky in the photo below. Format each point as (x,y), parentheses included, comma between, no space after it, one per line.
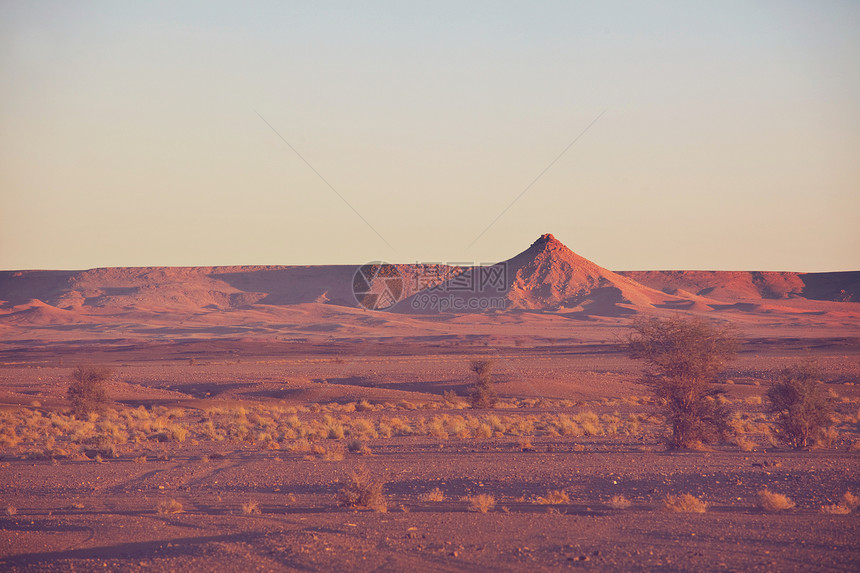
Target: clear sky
(729,136)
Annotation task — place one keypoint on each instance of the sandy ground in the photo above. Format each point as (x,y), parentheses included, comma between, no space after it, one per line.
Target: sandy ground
(80,513)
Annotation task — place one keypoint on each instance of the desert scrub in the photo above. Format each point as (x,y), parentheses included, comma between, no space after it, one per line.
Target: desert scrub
(684,503)
(846,505)
(434,494)
(251,507)
(86,391)
(483,395)
(619,502)
(801,405)
(770,501)
(554,497)
(361,491)
(482,503)
(169,506)
(685,357)
(359,447)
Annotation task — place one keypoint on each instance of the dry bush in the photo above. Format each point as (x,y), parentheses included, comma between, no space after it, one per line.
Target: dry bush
(770,501)
(619,502)
(169,506)
(835,509)
(361,491)
(481,503)
(86,391)
(846,505)
(745,444)
(801,405)
(554,497)
(11,510)
(251,507)
(685,503)
(850,500)
(685,355)
(359,447)
(483,395)
(435,494)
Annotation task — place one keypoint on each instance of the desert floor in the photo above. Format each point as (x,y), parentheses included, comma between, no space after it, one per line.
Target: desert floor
(255,440)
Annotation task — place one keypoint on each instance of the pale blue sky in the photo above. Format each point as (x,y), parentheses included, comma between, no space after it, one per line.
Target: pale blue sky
(730,139)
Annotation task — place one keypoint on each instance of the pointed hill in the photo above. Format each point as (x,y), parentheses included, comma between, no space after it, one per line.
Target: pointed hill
(546,276)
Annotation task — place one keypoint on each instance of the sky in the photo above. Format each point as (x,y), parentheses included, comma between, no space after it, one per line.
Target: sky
(643,135)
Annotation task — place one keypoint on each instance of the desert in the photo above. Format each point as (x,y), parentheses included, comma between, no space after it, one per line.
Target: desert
(270,418)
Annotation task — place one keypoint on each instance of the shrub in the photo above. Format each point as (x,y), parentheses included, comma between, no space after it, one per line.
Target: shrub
(169,506)
(435,494)
(685,503)
(86,391)
(619,502)
(483,394)
(361,491)
(11,510)
(685,355)
(835,509)
(554,497)
(481,503)
(359,447)
(770,501)
(846,505)
(251,508)
(850,501)
(801,405)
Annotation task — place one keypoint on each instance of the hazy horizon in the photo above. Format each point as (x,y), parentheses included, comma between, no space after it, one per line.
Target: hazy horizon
(721,137)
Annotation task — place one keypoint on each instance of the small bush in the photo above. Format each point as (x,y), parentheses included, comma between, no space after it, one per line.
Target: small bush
(361,491)
(846,505)
(850,500)
(801,405)
(11,510)
(554,497)
(86,391)
(619,502)
(483,395)
(435,494)
(251,507)
(481,503)
(835,509)
(685,503)
(169,506)
(770,501)
(359,447)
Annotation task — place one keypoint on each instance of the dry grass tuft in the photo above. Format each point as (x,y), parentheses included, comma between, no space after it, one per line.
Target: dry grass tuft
(361,491)
(685,503)
(481,503)
(846,505)
(835,509)
(251,507)
(11,510)
(619,502)
(435,494)
(359,447)
(554,497)
(169,506)
(745,444)
(770,501)
(850,500)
